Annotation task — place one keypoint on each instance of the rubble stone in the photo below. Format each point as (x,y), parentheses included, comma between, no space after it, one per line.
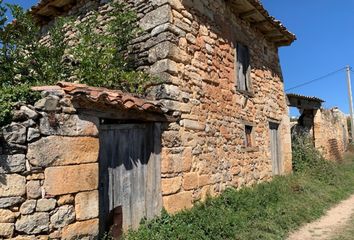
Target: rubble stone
(45,205)
(12,163)
(29,113)
(68,125)
(33,224)
(15,133)
(33,189)
(7,216)
(10,201)
(33,134)
(28,207)
(7,230)
(63,216)
(12,185)
(49,103)
(66,199)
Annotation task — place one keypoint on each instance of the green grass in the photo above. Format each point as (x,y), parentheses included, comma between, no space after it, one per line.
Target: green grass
(266,211)
(347,233)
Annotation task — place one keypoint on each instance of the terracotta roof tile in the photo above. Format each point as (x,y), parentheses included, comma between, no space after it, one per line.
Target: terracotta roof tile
(104,95)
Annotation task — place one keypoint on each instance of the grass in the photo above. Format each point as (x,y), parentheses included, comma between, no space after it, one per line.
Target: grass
(265,211)
(347,233)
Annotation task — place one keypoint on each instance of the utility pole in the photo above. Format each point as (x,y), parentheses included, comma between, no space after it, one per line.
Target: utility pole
(350,101)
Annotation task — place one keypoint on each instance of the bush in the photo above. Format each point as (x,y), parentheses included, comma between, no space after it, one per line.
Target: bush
(99,56)
(307,159)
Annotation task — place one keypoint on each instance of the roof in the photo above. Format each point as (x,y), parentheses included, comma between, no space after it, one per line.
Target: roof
(254,12)
(304,102)
(104,96)
(298,96)
(251,11)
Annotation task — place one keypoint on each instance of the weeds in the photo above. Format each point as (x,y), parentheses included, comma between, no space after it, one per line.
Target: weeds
(266,211)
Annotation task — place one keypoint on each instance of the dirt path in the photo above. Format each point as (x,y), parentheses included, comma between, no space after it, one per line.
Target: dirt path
(327,226)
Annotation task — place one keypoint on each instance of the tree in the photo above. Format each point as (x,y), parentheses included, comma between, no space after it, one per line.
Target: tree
(98,58)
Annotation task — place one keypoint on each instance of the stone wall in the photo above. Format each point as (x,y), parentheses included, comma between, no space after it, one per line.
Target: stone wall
(204,153)
(153,15)
(190,44)
(331,134)
(49,172)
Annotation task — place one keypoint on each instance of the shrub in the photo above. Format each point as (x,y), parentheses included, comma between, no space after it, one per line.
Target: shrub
(98,58)
(307,159)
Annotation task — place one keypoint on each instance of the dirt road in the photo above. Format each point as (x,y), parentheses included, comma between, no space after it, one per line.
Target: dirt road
(328,225)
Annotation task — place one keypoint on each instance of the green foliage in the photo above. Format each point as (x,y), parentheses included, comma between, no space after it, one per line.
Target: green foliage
(266,211)
(307,159)
(101,51)
(98,56)
(10,95)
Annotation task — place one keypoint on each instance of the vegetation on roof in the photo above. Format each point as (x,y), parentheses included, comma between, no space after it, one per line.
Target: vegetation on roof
(97,54)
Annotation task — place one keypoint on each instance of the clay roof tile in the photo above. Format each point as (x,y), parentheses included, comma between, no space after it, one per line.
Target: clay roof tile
(104,95)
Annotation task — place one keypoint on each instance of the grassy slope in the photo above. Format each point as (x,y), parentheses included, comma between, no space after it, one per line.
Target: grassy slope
(266,211)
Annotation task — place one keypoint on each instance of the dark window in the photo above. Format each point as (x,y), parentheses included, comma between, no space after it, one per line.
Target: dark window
(265,50)
(248,136)
(243,68)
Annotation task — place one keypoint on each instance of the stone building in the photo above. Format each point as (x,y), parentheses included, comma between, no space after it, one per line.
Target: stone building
(84,157)
(327,128)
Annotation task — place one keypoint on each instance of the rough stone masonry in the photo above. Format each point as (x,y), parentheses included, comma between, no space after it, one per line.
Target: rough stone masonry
(222,138)
(49,172)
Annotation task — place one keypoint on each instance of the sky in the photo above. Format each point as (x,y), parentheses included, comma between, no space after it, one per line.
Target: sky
(325,33)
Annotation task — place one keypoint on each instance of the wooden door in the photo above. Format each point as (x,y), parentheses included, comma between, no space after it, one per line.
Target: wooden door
(130,175)
(275,148)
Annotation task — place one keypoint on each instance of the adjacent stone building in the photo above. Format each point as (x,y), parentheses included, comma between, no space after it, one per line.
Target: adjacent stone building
(328,128)
(220,120)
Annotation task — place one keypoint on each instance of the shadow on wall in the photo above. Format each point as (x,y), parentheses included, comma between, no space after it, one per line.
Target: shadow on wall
(4,164)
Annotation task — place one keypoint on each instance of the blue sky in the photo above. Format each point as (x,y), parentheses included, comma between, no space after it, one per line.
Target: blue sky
(24,3)
(325,32)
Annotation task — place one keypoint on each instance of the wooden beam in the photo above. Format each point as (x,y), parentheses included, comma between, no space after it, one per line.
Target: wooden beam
(271,33)
(283,43)
(56,10)
(260,23)
(276,38)
(42,18)
(248,13)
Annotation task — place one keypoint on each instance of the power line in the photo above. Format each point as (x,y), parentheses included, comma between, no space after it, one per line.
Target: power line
(315,80)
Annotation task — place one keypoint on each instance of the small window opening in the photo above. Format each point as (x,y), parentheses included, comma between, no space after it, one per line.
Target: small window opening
(265,50)
(243,68)
(248,134)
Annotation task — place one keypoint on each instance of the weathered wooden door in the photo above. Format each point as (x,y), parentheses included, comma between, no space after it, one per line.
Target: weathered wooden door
(275,148)
(130,175)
